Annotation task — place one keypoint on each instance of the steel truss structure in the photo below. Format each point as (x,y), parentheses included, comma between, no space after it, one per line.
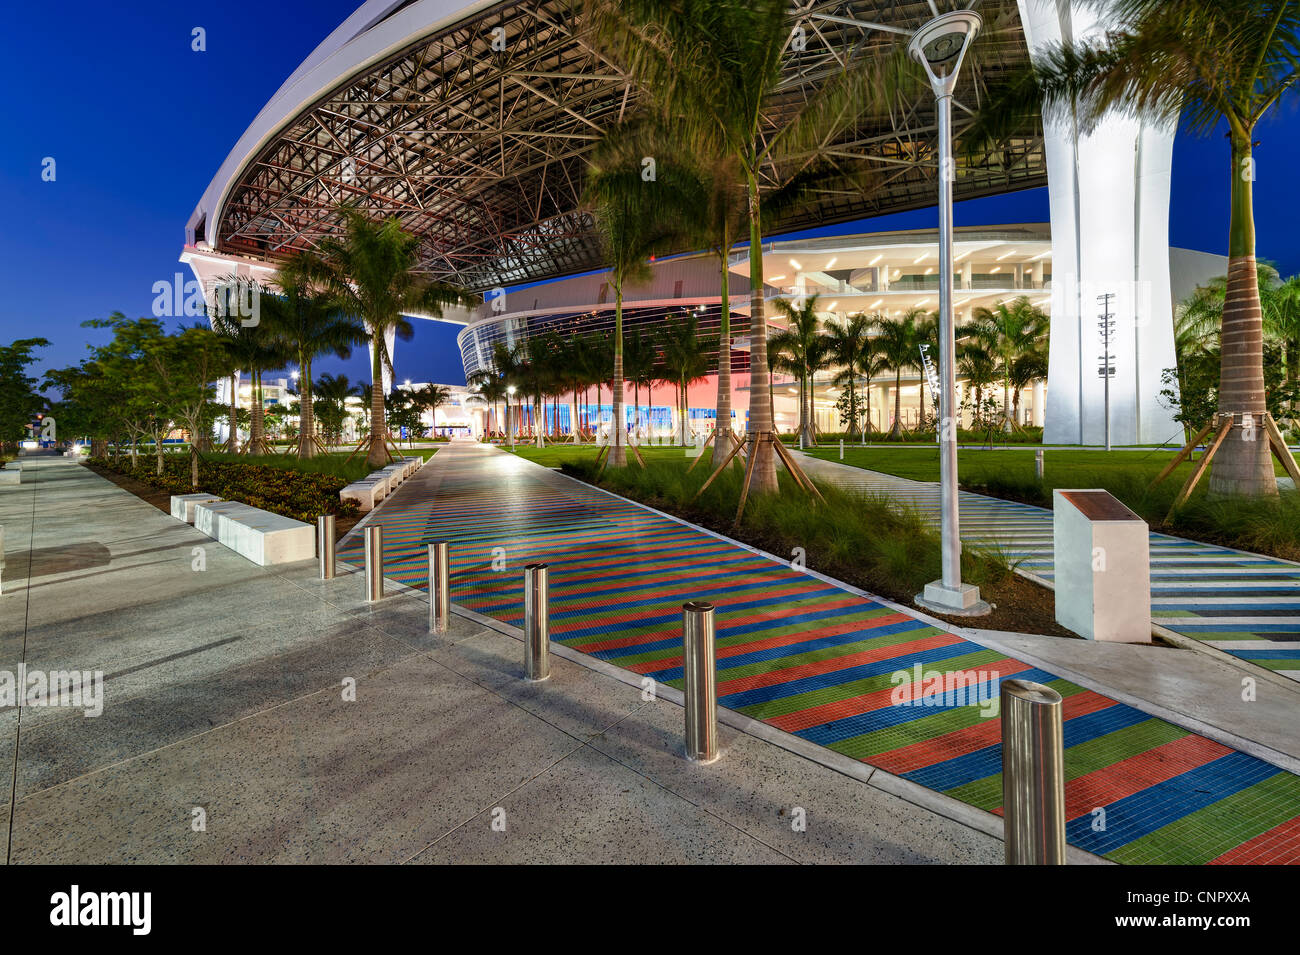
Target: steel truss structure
(475,137)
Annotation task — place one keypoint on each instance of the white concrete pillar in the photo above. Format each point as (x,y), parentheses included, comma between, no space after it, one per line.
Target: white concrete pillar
(1109,199)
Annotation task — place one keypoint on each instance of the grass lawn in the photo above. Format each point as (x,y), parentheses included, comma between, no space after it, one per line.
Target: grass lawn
(554,456)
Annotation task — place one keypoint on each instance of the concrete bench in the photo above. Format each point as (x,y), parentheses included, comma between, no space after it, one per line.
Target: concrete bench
(183,505)
(383,479)
(396,475)
(366,494)
(10,476)
(257,535)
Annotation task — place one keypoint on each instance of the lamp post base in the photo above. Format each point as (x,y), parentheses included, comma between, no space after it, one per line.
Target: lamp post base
(961,601)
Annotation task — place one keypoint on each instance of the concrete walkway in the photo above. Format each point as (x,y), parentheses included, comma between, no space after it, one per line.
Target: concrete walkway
(229,732)
(1242,605)
(813,663)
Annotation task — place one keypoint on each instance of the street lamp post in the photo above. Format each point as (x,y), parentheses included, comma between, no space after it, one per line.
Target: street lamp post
(940,46)
(511,420)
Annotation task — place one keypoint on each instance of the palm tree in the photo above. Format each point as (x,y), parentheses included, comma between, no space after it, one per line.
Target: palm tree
(685,361)
(639,366)
(634,218)
(492,387)
(1027,367)
(715,67)
(254,348)
(979,368)
(509,364)
(852,349)
(309,323)
(802,350)
(430,398)
(332,392)
(896,342)
(371,271)
(1208,63)
(1009,330)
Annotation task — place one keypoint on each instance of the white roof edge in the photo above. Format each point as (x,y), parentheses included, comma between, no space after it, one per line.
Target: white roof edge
(368,36)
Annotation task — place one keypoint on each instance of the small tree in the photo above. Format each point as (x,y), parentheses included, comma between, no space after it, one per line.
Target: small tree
(19,399)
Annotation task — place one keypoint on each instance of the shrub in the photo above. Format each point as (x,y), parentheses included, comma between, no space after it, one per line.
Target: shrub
(284,491)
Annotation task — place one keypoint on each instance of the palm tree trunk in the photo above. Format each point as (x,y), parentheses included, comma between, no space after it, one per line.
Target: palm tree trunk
(1243,465)
(1007,418)
(722,427)
(233,441)
(258,428)
(897,429)
(378,455)
(618,450)
(306,412)
(760,378)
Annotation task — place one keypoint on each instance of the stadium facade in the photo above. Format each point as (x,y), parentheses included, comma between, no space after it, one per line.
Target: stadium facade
(471,124)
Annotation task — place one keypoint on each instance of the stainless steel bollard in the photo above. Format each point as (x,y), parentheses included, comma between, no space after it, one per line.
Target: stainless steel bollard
(701,682)
(537,626)
(841,449)
(1033,774)
(326,540)
(374,563)
(1038,464)
(439,588)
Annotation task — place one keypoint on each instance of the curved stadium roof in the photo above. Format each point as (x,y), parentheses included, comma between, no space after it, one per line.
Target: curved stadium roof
(407,109)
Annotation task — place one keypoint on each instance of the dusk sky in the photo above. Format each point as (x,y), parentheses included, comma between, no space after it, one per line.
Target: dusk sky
(137,124)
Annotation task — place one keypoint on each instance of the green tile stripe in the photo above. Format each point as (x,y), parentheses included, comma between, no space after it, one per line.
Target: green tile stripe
(1206,834)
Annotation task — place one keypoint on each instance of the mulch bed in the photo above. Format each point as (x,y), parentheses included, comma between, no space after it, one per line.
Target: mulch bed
(163,499)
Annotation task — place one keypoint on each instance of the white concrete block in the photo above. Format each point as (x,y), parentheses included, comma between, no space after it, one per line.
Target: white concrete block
(183,505)
(365,493)
(383,480)
(1102,565)
(205,516)
(10,476)
(265,538)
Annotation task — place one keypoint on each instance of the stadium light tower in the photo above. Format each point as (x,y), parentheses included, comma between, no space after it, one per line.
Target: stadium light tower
(940,46)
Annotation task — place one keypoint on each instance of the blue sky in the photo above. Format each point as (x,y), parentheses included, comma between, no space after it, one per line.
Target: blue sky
(138,123)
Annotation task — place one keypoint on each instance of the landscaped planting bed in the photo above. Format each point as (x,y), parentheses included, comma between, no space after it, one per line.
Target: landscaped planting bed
(290,493)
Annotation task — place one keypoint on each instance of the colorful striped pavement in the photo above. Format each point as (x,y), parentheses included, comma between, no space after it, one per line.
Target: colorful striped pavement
(1243,604)
(816,660)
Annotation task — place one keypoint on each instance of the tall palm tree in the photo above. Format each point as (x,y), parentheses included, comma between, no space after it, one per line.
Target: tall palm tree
(308,322)
(635,217)
(802,349)
(896,342)
(1208,64)
(685,361)
(716,67)
(371,270)
(1009,330)
(509,362)
(852,349)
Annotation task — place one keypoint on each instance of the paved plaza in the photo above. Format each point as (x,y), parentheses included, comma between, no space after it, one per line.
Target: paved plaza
(262,715)
(1241,604)
(226,736)
(813,659)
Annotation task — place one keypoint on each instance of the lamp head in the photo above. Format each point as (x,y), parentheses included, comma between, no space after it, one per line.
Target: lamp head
(941,45)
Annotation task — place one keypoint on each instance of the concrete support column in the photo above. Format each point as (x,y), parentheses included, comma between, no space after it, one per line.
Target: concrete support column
(1109,199)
